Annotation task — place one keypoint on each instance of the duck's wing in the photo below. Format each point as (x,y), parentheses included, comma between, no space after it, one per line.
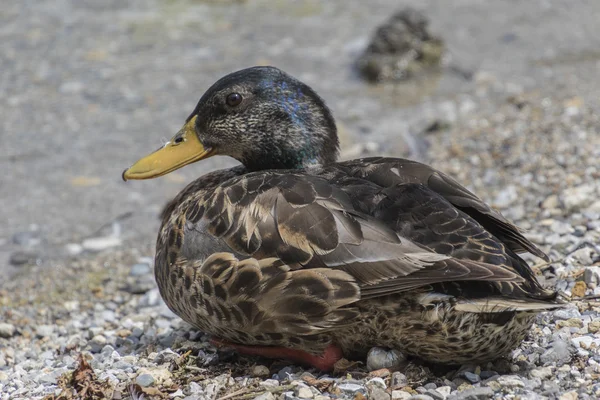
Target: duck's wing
(389,172)
(308,223)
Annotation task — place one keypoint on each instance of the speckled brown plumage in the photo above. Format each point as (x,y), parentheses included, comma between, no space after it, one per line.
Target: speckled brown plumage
(369,252)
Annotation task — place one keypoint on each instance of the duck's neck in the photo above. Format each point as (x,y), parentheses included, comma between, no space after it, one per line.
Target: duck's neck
(300,146)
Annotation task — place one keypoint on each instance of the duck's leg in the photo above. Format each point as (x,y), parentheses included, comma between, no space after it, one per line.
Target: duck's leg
(324,361)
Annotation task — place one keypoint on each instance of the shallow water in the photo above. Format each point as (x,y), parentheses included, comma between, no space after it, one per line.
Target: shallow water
(88,87)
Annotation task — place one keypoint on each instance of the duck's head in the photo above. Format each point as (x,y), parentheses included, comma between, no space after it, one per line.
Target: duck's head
(260,116)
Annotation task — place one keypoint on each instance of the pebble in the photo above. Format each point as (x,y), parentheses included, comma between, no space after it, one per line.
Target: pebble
(45,330)
(594,326)
(7,330)
(265,396)
(400,395)
(304,392)
(420,397)
(285,373)
(379,358)
(569,396)
(352,388)
(435,395)
(578,197)
(24,257)
(260,371)
(558,353)
(566,313)
(542,372)
(140,269)
(377,393)
(101,243)
(510,381)
(582,341)
(399,380)
(506,197)
(471,377)
(591,275)
(476,393)
(145,380)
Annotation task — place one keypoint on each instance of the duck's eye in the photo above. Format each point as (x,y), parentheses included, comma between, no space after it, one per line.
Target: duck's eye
(234,99)
(179,139)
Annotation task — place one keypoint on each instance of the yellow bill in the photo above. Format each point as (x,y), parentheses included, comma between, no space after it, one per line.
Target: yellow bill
(183,149)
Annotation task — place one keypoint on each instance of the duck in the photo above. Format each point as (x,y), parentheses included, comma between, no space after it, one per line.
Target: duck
(293,254)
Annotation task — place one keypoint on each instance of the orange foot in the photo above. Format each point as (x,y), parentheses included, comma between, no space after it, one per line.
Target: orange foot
(324,362)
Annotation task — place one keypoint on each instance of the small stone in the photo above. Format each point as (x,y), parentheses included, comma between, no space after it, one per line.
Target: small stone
(471,377)
(562,228)
(435,395)
(579,289)
(101,243)
(260,371)
(27,238)
(591,275)
(593,327)
(487,374)
(3,376)
(400,395)
(97,343)
(19,258)
(352,388)
(569,396)
(550,202)
(284,373)
(444,390)
(269,383)
(377,393)
(265,396)
(510,381)
(7,330)
(304,392)
(541,372)
(475,393)
(195,388)
(582,342)
(399,380)
(73,249)
(377,382)
(44,330)
(566,313)
(379,358)
(420,397)
(571,323)
(145,380)
(139,269)
(506,197)
(576,198)
(559,353)
(151,298)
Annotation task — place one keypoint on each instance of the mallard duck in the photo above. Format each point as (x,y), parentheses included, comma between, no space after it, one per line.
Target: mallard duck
(293,254)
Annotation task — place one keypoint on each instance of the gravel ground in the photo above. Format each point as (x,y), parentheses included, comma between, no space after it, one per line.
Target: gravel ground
(81,310)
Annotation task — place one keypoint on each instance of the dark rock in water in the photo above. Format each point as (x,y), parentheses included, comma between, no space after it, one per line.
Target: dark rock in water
(401,48)
(19,258)
(27,238)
